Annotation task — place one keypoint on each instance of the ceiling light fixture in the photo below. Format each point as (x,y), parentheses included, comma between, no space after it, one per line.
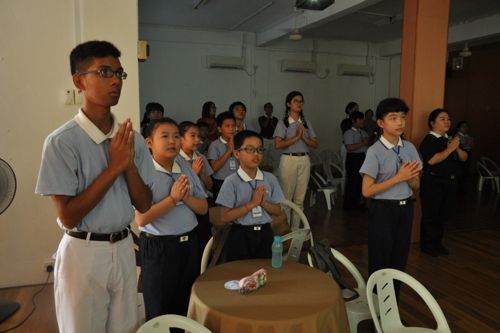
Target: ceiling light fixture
(295,35)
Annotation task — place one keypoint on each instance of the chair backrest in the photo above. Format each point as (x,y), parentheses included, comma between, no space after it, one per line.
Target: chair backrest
(388,307)
(490,165)
(206,255)
(483,170)
(162,324)
(303,219)
(298,238)
(315,158)
(361,284)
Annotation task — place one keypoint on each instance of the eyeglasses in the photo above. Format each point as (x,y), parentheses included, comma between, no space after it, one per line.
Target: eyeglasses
(297,102)
(107,73)
(252,149)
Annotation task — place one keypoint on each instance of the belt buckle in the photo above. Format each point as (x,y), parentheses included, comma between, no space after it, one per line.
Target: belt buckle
(117,236)
(402,202)
(184,238)
(257,228)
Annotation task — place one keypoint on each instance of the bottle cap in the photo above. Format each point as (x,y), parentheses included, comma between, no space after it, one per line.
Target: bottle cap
(277,238)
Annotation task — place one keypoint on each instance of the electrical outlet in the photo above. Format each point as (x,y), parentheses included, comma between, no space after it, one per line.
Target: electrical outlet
(48,264)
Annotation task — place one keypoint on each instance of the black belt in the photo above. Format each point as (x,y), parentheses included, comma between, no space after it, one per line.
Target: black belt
(254,227)
(112,237)
(402,202)
(296,154)
(171,238)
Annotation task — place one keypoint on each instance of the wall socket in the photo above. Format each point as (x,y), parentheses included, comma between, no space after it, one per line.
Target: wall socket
(48,264)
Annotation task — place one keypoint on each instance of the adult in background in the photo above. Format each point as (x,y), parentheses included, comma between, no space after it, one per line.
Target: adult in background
(356,142)
(441,155)
(294,135)
(370,126)
(154,111)
(267,122)
(346,124)
(208,118)
(239,111)
(466,143)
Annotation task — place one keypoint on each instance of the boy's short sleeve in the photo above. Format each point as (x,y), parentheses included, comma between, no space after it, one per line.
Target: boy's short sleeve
(227,194)
(276,195)
(349,137)
(144,161)
(370,166)
(280,130)
(58,169)
(213,152)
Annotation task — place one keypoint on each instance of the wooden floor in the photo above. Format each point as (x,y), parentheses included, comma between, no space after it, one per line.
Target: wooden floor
(465,283)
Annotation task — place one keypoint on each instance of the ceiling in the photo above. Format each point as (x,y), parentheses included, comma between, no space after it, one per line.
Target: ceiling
(375,21)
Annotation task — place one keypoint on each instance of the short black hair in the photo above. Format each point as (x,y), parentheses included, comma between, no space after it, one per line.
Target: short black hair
(154,106)
(433,115)
(205,109)
(157,122)
(223,116)
(350,106)
(185,126)
(240,138)
(391,104)
(356,115)
(80,56)
(235,104)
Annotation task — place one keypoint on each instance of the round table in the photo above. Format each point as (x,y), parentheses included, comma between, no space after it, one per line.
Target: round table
(296,298)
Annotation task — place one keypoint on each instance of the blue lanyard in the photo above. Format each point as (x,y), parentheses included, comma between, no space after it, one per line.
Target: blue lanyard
(396,151)
(253,187)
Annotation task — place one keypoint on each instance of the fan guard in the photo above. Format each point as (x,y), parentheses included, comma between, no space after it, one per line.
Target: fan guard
(7,185)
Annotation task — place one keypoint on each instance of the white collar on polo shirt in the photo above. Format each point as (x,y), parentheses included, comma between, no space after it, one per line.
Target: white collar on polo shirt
(389,145)
(186,157)
(437,135)
(291,120)
(354,129)
(246,178)
(92,130)
(176,168)
(222,140)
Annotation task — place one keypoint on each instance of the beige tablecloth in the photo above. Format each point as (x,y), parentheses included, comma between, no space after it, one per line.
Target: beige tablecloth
(296,298)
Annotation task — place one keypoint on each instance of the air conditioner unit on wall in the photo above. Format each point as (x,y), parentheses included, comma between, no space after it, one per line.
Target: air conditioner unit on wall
(354,70)
(225,62)
(298,66)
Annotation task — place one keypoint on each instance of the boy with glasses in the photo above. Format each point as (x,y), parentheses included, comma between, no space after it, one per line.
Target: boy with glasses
(249,198)
(96,171)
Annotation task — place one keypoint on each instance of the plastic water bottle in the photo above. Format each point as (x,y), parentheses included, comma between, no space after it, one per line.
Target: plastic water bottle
(277,252)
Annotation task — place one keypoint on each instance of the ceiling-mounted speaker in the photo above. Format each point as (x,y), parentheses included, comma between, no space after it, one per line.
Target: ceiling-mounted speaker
(313,4)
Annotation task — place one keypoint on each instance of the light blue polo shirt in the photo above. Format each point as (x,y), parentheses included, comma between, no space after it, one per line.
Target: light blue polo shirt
(216,149)
(206,170)
(74,155)
(286,133)
(354,136)
(382,163)
(238,189)
(180,219)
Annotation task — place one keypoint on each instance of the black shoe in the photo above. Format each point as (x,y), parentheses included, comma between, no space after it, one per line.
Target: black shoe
(442,250)
(431,252)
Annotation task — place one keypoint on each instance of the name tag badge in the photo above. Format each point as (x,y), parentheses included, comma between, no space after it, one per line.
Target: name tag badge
(184,238)
(232,164)
(257,211)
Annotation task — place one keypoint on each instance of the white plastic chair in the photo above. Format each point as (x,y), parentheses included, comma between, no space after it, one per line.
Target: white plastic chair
(490,165)
(162,324)
(319,184)
(297,237)
(390,321)
(303,219)
(486,174)
(357,309)
(206,255)
(336,175)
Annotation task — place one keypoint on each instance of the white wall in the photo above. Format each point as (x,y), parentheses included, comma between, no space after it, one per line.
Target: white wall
(35,40)
(176,76)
